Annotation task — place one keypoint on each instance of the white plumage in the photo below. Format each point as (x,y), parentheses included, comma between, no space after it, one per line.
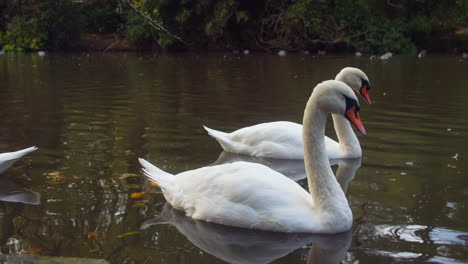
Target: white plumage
(283,139)
(8,158)
(250,195)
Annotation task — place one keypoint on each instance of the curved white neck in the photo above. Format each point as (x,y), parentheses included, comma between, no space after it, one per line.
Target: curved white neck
(348,140)
(325,190)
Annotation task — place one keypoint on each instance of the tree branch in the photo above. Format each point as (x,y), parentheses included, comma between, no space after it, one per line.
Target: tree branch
(153,23)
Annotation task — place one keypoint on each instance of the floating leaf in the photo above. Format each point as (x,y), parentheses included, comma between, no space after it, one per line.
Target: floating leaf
(127,175)
(137,195)
(92,250)
(392,180)
(93,234)
(128,234)
(153,184)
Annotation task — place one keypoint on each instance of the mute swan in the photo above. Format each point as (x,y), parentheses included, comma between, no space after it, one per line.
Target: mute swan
(7,159)
(250,195)
(283,139)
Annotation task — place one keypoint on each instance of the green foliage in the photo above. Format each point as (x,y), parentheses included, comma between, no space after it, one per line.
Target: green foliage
(383,35)
(371,26)
(23,33)
(43,25)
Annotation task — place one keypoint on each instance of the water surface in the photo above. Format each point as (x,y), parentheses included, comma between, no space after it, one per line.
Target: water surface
(93,115)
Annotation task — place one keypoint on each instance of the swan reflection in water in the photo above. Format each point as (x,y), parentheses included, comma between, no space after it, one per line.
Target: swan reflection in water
(295,169)
(237,245)
(11,192)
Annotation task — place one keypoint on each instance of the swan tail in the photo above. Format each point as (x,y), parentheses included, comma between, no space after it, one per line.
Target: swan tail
(155,174)
(221,137)
(16,154)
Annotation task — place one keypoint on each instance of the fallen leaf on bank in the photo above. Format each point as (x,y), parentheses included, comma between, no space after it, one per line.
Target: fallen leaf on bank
(137,195)
(128,234)
(127,175)
(93,234)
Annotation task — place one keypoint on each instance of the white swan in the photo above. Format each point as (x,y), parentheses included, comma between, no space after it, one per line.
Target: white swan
(250,195)
(283,139)
(8,158)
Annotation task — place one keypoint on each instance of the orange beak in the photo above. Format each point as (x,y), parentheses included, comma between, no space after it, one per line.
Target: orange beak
(364,94)
(353,117)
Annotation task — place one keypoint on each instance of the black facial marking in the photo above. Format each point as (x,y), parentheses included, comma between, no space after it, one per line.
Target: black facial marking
(350,103)
(364,83)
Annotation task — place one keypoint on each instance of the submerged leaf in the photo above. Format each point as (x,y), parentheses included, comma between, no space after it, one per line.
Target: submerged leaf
(128,234)
(132,186)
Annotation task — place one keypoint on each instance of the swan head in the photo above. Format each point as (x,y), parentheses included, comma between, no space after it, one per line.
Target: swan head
(357,80)
(337,97)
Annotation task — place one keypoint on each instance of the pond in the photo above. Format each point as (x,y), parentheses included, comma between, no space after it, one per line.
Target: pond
(93,115)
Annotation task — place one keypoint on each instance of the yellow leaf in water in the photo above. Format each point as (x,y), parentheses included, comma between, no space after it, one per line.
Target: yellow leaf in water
(93,234)
(392,180)
(128,234)
(153,184)
(137,195)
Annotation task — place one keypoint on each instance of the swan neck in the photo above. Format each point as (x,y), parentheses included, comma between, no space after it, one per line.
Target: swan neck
(323,186)
(346,136)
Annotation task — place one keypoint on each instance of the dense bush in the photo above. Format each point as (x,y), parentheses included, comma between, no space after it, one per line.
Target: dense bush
(371,26)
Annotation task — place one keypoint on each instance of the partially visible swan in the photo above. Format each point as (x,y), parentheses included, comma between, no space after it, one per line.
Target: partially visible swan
(8,158)
(250,195)
(236,245)
(283,139)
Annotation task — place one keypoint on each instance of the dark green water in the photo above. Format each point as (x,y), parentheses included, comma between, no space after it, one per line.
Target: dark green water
(93,115)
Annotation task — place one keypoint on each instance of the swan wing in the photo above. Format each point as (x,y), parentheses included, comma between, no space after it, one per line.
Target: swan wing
(282,140)
(246,195)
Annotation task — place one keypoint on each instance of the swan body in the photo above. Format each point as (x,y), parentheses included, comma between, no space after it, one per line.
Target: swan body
(9,158)
(250,195)
(283,139)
